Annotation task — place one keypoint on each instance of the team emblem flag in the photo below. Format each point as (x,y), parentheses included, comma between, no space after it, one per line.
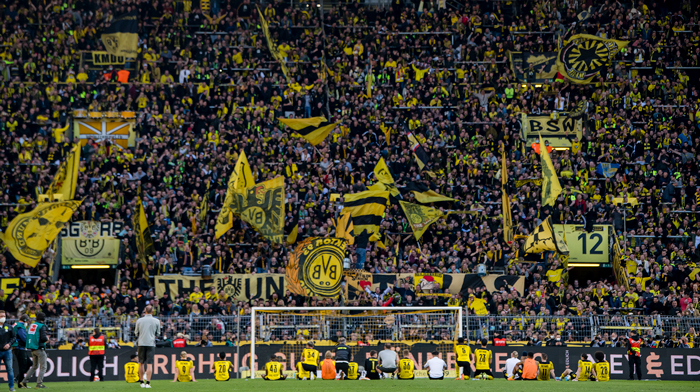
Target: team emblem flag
(262,206)
(584,56)
(315,269)
(240,178)
(121,37)
(420,217)
(545,239)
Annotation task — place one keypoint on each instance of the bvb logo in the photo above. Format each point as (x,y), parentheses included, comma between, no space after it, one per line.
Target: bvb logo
(255,216)
(323,270)
(585,58)
(231,286)
(34,232)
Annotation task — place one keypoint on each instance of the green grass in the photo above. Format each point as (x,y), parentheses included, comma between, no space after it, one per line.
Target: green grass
(420,385)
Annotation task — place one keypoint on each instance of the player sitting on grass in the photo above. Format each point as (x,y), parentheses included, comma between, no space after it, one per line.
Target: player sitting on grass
(545,369)
(328,367)
(601,369)
(302,374)
(406,367)
(222,368)
(185,369)
(483,362)
(436,367)
(371,367)
(131,370)
(310,358)
(464,359)
(582,374)
(273,370)
(511,366)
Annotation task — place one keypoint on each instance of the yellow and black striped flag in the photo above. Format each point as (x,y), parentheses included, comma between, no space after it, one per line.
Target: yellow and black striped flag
(121,38)
(381,171)
(420,217)
(293,228)
(144,242)
(66,178)
(367,210)
(313,129)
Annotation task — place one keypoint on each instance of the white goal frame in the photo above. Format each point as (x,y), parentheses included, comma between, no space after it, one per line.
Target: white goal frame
(393,309)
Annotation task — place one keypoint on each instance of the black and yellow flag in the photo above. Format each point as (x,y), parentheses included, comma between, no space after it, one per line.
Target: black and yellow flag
(367,210)
(204,207)
(535,181)
(274,52)
(66,178)
(420,217)
(313,129)
(240,179)
(550,182)
(262,206)
(430,196)
(507,215)
(545,239)
(344,228)
(418,151)
(144,241)
(584,56)
(381,171)
(29,235)
(293,229)
(315,269)
(121,38)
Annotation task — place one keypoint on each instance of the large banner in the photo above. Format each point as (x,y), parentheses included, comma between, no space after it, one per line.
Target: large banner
(657,364)
(119,132)
(423,284)
(556,131)
(8,285)
(315,269)
(584,57)
(239,287)
(90,242)
(585,247)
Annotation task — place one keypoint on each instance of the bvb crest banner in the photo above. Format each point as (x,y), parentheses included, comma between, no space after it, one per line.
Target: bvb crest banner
(29,235)
(241,178)
(420,217)
(316,267)
(584,56)
(545,239)
(91,245)
(121,38)
(262,206)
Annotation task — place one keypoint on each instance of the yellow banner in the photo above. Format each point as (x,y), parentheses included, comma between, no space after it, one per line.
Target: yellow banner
(104,58)
(550,182)
(420,217)
(66,178)
(315,269)
(545,239)
(584,56)
(241,178)
(262,206)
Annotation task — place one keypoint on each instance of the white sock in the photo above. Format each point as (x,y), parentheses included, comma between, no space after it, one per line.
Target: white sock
(364,374)
(303,379)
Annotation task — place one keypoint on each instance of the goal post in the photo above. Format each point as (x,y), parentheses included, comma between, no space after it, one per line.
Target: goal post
(287,330)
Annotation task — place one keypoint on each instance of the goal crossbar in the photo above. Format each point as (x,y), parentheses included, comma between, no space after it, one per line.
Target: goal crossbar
(391,310)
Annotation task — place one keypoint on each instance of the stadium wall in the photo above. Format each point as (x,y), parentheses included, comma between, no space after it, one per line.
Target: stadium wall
(659,364)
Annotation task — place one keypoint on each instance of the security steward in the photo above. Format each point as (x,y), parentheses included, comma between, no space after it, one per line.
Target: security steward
(179,342)
(96,349)
(19,347)
(634,354)
(343,356)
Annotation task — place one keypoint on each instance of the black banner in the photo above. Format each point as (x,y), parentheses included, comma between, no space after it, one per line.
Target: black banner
(657,364)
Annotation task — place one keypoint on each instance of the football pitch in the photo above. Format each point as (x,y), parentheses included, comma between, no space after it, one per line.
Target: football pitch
(419,385)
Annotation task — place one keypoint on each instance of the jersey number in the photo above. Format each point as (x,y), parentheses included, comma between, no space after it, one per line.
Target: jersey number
(222,368)
(184,370)
(273,368)
(482,357)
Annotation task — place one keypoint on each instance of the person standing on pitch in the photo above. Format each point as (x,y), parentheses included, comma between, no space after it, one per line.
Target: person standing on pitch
(343,356)
(7,339)
(146,329)
(96,350)
(20,351)
(36,341)
(634,356)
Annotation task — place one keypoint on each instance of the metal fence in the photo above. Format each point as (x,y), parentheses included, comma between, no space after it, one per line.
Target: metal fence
(281,327)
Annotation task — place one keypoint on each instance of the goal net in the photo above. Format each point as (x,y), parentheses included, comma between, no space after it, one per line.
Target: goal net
(284,332)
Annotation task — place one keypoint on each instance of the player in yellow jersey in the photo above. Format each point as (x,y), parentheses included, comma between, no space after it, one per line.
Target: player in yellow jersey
(406,367)
(222,368)
(601,369)
(273,370)
(353,373)
(310,358)
(301,373)
(582,374)
(131,370)
(185,369)
(545,369)
(464,356)
(483,358)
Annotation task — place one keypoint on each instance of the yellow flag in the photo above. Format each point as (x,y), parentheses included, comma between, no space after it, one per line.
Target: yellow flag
(550,183)
(29,235)
(241,178)
(381,171)
(271,46)
(367,210)
(344,228)
(144,241)
(420,217)
(313,129)
(262,206)
(545,239)
(507,215)
(66,178)
(430,196)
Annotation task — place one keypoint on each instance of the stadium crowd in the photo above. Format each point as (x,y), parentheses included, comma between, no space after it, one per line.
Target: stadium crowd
(205,88)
